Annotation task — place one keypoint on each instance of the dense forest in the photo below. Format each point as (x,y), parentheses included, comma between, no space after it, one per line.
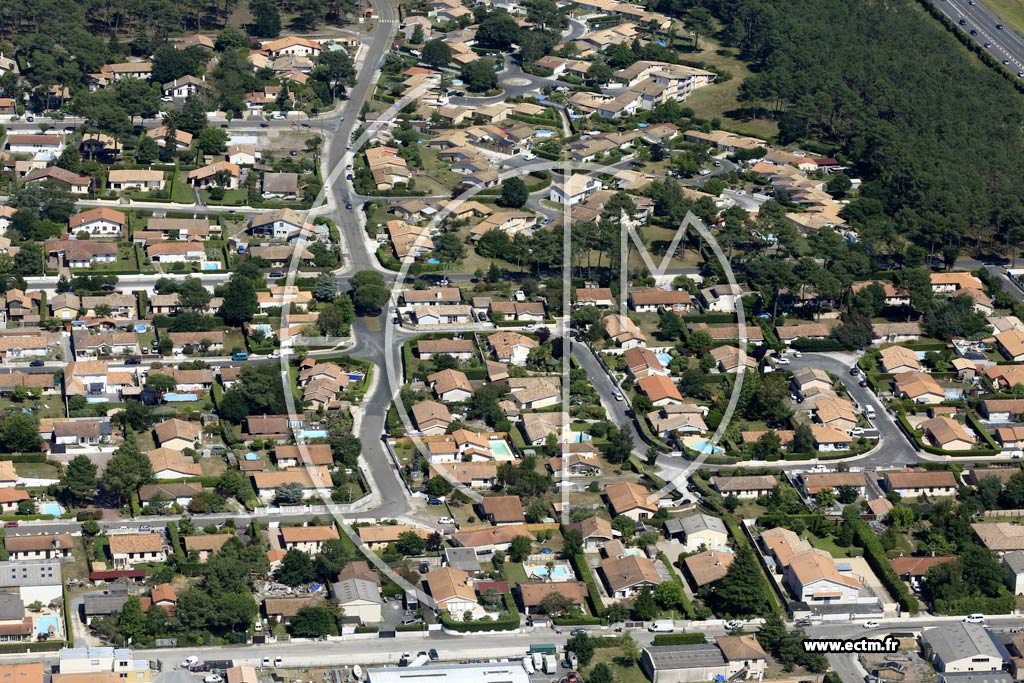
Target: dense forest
(153,19)
(938,133)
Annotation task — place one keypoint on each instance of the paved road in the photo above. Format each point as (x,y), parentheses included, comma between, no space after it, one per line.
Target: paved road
(1003,44)
(894,449)
(618,411)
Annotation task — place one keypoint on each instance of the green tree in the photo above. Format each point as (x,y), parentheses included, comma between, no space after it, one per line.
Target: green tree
(326,287)
(513,193)
(266,18)
(479,75)
(410,543)
(572,543)
(240,302)
(212,141)
(584,647)
(644,606)
(437,53)
(498,30)
(313,621)
(520,548)
(803,439)
(438,486)
(146,151)
(126,471)
(131,623)
(669,595)
(78,482)
(288,494)
(19,433)
(601,673)
(296,569)
(741,592)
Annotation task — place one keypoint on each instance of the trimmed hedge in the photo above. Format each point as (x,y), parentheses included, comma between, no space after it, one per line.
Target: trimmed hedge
(817,345)
(17,648)
(741,540)
(24,457)
(1004,604)
(579,620)
(679,639)
(579,565)
(874,553)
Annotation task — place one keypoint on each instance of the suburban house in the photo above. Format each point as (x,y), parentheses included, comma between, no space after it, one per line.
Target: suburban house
(815,482)
(99,222)
(511,347)
(135,179)
(206,545)
(452,590)
(898,359)
(39,547)
(706,567)
(502,510)
(128,550)
(652,300)
(813,579)
(661,390)
(914,483)
(631,500)
(451,386)
(168,463)
(308,539)
(699,530)
(596,531)
(918,387)
(177,435)
(625,576)
(745,487)
(946,433)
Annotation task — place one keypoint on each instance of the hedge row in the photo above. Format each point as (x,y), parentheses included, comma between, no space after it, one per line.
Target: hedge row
(687,605)
(579,565)
(679,639)
(24,457)
(741,540)
(1004,604)
(45,646)
(874,553)
(817,345)
(578,620)
(509,622)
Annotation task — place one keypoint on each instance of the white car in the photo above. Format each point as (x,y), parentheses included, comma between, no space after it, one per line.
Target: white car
(975,619)
(857,431)
(445,520)
(278,661)
(871,623)
(732,625)
(266,661)
(189,662)
(782,361)
(213,678)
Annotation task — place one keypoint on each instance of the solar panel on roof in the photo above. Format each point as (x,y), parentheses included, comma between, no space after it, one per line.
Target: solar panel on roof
(844,566)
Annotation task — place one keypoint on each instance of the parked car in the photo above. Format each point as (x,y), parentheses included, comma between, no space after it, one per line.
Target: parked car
(37,363)
(872,623)
(189,662)
(213,678)
(445,520)
(732,625)
(975,619)
(434,501)
(132,361)
(432,653)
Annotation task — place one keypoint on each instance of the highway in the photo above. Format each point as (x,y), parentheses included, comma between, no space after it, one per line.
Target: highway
(1003,44)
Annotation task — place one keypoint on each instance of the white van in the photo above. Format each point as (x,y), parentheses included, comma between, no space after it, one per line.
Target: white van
(869,412)
(662,626)
(975,618)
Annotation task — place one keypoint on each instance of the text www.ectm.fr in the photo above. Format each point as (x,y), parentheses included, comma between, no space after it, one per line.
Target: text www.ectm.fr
(839,646)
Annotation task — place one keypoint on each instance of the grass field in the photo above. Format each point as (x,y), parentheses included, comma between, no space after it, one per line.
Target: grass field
(713,101)
(1010,11)
(622,674)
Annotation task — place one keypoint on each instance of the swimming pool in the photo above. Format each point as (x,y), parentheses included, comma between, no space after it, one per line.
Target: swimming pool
(500,449)
(51,509)
(537,568)
(703,446)
(97,399)
(313,433)
(664,358)
(580,437)
(267,330)
(45,624)
(211,265)
(180,398)
(251,456)
(544,133)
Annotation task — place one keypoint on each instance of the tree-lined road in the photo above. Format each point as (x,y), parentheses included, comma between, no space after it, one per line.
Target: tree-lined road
(1003,43)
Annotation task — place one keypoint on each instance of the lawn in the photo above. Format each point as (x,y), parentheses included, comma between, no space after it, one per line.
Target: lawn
(622,674)
(36,470)
(125,261)
(182,193)
(715,100)
(231,198)
(437,169)
(48,406)
(827,544)
(514,573)
(233,341)
(1010,11)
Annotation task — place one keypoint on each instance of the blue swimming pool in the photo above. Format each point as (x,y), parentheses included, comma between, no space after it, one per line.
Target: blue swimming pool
(48,624)
(51,509)
(543,133)
(251,456)
(705,447)
(313,433)
(354,376)
(664,358)
(97,399)
(580,437)
(180,398)
(500,448)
